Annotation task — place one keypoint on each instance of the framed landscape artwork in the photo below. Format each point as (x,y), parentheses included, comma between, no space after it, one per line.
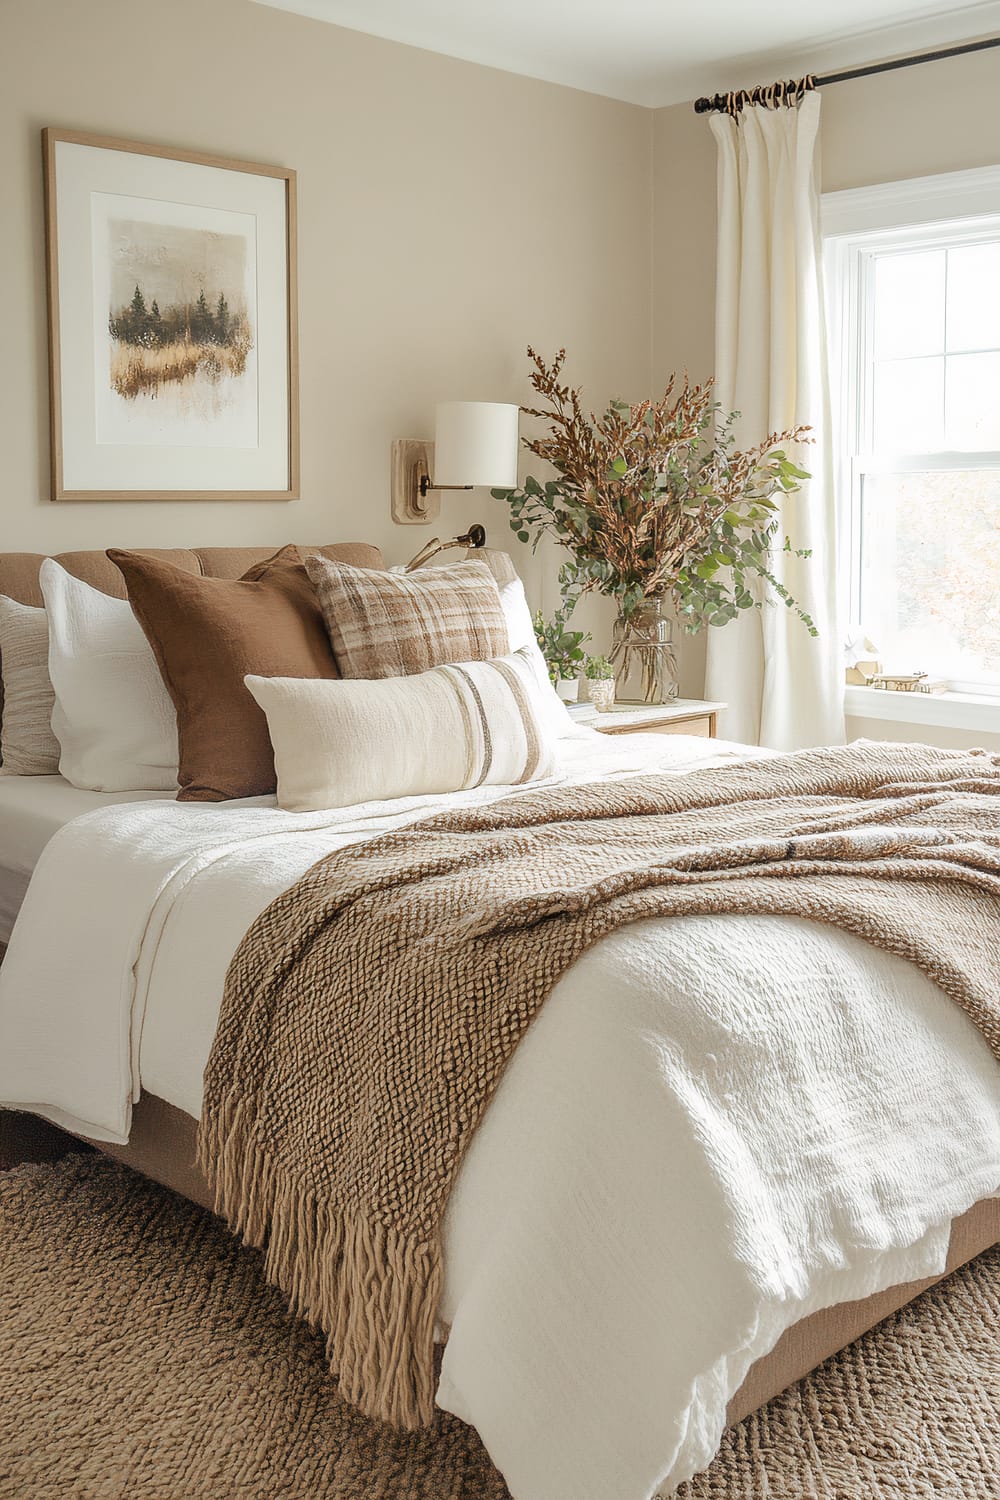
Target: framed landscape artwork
(172,323)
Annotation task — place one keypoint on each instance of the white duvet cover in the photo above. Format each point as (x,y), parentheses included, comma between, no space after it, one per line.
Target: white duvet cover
(32,809)
(714,1126)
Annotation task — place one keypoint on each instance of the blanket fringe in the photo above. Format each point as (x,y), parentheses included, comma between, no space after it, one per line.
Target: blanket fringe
(372,1292)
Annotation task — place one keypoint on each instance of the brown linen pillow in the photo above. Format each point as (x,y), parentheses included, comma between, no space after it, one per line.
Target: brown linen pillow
(207,634)
(395,624)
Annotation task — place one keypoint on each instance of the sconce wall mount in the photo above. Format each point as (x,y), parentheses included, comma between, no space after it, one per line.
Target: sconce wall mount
(416,499)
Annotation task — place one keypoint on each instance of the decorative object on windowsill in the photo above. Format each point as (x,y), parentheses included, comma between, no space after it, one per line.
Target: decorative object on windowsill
(862,671)
(475,443)
(861,658)
(904,682)
(600,674)
(659,513)
(562,650)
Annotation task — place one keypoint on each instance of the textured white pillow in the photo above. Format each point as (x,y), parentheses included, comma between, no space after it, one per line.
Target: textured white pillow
(113,717)
(338,743)
(27,744)
(522,638)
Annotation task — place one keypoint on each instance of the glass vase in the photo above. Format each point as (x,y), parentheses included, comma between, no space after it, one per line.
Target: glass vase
(644,655)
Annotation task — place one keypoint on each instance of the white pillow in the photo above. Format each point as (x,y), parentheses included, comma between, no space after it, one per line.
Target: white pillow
(113,717)
(522,638)
(341,742)
(27,744)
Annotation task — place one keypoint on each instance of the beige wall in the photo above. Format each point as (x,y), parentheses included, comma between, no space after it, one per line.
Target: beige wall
(939,118)
(927,734)
(683,263)
(943,117)
(683,275)
(448,215)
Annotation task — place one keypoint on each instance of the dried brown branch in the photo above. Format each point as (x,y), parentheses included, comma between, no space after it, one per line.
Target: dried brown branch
(645,493)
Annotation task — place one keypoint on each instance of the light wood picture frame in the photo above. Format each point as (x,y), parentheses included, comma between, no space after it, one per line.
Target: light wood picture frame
(173,324)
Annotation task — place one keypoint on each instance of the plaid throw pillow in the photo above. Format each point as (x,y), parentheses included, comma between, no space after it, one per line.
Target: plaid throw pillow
(395,624)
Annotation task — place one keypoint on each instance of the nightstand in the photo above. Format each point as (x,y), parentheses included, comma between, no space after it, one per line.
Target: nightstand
(682,716)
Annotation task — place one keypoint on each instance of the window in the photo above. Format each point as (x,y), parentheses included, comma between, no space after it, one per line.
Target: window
(915,315)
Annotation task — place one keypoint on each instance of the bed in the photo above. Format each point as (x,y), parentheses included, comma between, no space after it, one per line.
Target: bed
(161,1129)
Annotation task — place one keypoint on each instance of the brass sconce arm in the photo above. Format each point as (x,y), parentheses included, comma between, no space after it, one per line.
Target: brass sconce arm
(474,538)
(426,484)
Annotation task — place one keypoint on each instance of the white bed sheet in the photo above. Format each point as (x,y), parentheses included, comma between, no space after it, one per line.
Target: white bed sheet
(32,809)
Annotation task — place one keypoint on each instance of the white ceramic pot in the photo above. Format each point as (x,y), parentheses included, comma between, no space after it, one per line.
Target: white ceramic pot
(568,689)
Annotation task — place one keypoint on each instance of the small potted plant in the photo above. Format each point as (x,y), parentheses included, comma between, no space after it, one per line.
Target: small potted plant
(562,650)
(601,676)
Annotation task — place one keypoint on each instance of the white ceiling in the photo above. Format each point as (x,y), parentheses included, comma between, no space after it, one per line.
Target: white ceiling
(657,52)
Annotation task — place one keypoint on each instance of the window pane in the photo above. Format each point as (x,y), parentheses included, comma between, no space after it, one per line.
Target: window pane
(909,406)
(930,571)
(973,402)
(909,304)
(974,297)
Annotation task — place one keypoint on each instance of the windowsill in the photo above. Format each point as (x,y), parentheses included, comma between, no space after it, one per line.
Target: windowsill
(949,710)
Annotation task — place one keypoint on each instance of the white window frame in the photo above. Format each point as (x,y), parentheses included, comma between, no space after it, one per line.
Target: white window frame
(938,212)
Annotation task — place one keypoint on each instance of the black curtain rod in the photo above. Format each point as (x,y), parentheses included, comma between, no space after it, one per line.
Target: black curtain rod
(718,101)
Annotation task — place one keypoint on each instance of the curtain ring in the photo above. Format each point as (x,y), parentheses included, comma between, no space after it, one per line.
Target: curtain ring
(784,92)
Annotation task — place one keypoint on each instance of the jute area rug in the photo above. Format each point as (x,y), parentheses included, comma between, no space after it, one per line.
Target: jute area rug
(142,1356)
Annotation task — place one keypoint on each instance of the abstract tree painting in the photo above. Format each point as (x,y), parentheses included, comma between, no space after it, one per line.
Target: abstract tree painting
(178,313)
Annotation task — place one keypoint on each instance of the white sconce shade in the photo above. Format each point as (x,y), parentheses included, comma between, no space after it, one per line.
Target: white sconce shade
(475,442)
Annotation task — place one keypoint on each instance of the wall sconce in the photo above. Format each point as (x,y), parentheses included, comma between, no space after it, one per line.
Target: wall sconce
(475,443)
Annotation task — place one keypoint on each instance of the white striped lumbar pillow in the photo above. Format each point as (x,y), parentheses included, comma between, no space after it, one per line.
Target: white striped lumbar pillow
(472,723)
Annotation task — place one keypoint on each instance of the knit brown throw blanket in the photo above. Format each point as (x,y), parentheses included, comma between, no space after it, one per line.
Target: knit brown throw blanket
(371,1010)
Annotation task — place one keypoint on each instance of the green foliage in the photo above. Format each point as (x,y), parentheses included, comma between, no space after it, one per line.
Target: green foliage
(598,668)
(561,648)
(655,500)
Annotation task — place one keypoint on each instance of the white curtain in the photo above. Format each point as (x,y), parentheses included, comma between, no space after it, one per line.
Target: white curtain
(784,688)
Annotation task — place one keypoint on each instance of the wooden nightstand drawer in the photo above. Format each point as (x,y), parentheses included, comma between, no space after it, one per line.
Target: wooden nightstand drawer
(704,726)
(683,716)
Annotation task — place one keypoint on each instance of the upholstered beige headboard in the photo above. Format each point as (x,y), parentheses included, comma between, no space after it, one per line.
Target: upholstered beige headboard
(19,570)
